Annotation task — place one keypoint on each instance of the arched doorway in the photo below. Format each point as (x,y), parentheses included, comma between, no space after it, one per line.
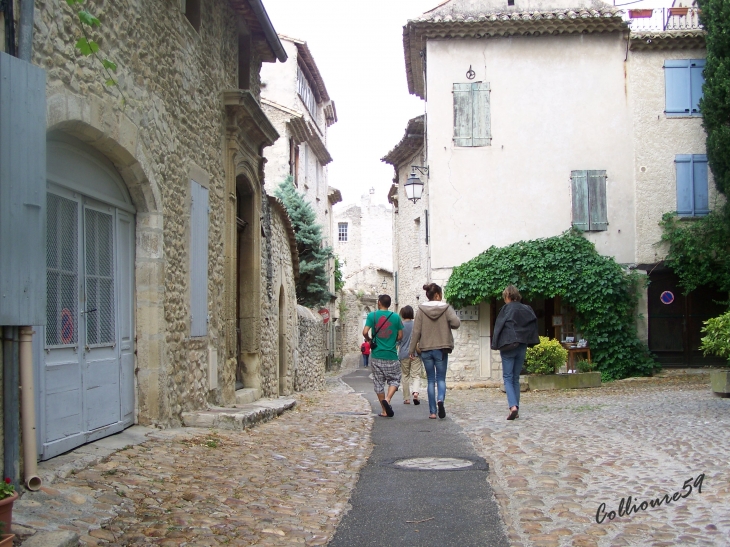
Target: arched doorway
(85,354)
(247,294)
(283,347)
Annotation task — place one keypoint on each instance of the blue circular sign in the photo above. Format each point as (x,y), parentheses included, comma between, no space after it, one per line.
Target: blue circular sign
(667,297)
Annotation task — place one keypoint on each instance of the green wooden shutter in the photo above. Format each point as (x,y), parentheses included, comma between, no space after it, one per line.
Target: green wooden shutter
(579,180)
(463,112)
(597,213)
(481,117)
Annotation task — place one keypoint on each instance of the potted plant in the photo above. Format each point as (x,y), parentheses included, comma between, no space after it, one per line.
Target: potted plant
(717,342)
(542,362)
(640,13)
(8,495)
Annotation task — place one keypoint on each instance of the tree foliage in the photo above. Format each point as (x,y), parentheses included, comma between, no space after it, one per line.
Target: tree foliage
(603,294)
(313,284)
(339,278)
(715,103)
(546,357)
(717,336)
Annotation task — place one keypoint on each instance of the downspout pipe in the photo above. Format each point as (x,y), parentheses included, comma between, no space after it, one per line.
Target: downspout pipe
(25,32)
(271,37)
(11,406)
(27,408)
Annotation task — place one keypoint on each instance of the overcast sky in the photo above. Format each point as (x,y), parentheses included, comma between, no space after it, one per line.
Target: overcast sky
(358,48)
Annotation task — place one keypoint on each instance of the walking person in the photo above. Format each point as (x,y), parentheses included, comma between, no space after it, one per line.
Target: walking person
(387,329)
(365,350)
(432,334)
(514,329)
(410,367)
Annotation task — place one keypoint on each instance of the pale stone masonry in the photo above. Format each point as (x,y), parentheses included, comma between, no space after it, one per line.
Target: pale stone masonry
(192,112)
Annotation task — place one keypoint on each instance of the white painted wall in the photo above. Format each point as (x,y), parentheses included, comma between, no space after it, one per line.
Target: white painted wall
(558,103)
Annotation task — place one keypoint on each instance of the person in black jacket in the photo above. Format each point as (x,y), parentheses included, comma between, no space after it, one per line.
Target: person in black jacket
(514,329)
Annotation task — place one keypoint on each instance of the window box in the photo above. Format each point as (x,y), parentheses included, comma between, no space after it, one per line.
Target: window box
(641,13)
(673,12)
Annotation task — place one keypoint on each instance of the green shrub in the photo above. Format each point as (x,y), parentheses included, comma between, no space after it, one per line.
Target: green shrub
(584,366)
(546,357)
(717,340)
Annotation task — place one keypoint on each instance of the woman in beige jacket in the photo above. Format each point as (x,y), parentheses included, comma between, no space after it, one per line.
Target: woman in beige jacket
(432,337)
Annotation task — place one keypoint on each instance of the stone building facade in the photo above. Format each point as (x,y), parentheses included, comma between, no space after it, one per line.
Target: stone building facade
(608,87)
(202,262)
(364,247)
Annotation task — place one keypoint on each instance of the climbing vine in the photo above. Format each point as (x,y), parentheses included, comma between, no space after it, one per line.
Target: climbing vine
(89,47)
(603,293)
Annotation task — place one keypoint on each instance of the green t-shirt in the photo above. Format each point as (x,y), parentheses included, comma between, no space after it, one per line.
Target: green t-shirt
(388,325)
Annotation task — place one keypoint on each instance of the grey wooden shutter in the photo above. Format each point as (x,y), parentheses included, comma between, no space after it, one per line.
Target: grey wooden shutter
(481,118)
(597,210)
(463,112)
(579,181)
(699,184)
(697,79)
(22,192)
(198,259)
(677,86)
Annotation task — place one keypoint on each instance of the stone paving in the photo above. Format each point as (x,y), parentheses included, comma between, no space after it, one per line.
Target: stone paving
(286,482)
(571,451)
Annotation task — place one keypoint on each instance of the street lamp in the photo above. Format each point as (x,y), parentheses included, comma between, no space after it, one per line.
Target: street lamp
(414,185)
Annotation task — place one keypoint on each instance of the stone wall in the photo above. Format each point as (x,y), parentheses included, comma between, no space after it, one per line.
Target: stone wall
(311,352)
(352,319)
(172,124)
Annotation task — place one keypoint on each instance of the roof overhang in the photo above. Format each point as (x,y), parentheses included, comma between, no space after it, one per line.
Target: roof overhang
(258,22)
(409,145)
(433,26)
(675,39)
(334,195)
(302,130)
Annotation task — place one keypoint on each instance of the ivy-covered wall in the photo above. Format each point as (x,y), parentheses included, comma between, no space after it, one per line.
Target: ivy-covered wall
(603,293)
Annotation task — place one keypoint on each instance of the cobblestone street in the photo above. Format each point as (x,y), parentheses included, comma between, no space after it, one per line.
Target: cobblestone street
(285,482)
(571,451)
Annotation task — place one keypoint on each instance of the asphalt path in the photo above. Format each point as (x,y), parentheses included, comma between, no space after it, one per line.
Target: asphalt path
(393,505)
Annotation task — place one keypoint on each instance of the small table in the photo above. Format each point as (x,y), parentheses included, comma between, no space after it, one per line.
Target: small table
(574,350)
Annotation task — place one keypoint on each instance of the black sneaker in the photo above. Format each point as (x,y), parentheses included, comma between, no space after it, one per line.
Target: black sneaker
(442,410)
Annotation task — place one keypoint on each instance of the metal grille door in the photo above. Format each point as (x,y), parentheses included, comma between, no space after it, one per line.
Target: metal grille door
(62,267)
(99,279)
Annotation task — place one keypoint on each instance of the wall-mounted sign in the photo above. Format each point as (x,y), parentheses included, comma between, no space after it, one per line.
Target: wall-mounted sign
(557,320)
(468,313)
(325,313)
(667,297)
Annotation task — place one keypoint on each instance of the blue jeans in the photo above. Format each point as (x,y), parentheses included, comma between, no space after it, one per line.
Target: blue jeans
(512,362)
(435,363)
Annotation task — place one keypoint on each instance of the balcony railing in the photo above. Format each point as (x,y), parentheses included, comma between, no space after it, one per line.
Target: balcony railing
(663,19)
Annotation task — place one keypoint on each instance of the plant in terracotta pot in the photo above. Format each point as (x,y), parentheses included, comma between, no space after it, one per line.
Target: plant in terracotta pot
(8,495)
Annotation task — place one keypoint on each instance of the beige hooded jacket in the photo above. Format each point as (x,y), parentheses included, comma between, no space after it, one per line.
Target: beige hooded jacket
(433,325)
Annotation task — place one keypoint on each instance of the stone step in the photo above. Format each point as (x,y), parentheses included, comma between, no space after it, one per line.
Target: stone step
(247,395)
(239,417)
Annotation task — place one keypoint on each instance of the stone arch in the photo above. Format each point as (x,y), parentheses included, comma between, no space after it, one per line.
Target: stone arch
(101,125)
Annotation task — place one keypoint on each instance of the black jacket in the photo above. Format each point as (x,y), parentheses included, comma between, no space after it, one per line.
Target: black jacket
(516,322)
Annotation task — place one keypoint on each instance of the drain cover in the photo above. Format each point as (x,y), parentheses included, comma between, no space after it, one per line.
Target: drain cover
(436,464)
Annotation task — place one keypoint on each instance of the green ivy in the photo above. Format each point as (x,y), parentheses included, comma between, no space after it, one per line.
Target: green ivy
(603,293)
(339,278)
(699,249)
(717,336)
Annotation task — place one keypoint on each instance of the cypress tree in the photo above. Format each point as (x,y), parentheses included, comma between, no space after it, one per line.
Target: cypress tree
(313,284)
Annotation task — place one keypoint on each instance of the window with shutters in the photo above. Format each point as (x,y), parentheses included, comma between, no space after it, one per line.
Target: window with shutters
(692,190)
(472,118)
(589,200)
(199,218)
(191,9)
(342,231)
(683,81)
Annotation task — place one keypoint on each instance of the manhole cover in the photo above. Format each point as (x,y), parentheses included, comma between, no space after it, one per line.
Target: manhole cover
(436,464)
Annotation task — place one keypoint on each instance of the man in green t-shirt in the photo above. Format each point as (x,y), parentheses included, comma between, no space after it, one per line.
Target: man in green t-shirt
(387,329)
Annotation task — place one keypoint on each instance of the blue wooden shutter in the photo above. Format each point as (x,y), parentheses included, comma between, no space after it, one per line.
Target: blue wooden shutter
(697,79)
(463,113)
(579,180)
(699,184)
(597,210)
(685,194)
(677,86)
(481,118)
(198,259)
